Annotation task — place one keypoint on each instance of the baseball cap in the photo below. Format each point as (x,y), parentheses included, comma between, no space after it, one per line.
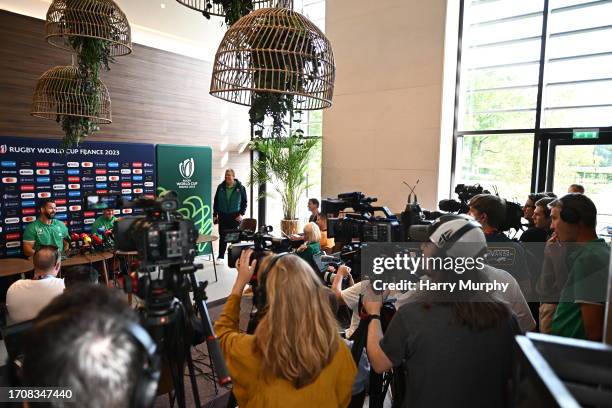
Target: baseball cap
(457,234)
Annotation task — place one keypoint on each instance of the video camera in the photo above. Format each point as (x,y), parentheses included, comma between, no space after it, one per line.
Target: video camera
(162,236)
(262,243)
(513,211)
(362,223)
(465,194)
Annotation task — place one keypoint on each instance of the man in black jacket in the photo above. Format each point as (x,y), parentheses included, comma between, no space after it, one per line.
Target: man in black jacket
(229,206)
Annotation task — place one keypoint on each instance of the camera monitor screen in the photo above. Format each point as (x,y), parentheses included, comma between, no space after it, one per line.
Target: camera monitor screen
(97,202)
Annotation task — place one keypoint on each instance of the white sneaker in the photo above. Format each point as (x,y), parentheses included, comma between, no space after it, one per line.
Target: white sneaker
(220,261)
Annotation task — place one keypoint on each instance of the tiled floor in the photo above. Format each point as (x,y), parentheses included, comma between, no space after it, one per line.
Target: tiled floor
(226,277)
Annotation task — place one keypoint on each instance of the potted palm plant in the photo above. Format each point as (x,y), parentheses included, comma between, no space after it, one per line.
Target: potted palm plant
(283,164)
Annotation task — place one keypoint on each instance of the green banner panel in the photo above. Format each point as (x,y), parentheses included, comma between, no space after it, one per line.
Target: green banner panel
(188,171)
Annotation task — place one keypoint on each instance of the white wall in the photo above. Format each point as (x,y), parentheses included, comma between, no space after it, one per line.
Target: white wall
(173,28)
(385,124)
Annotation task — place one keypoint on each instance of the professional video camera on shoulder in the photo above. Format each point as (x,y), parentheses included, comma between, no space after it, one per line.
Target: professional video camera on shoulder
(362,223)
(465,193)
(261,241)
(162,236)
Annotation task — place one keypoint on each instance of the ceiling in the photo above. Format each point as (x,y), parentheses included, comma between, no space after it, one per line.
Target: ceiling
(163,24)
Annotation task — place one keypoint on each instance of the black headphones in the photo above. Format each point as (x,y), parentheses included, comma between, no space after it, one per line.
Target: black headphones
(568,214)
(260,297)
(145,388)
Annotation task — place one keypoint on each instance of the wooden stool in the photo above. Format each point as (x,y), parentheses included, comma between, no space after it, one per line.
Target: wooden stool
(202,239)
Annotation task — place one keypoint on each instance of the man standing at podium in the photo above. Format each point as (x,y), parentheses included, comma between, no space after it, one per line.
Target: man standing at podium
(46,230)
(229,206)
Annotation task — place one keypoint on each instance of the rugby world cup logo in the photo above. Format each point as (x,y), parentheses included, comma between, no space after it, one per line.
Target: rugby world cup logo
(3,149)
(187,167)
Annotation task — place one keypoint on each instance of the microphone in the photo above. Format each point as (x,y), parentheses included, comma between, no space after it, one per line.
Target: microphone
(97,240)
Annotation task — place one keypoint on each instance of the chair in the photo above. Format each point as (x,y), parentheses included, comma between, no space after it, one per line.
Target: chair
(203,239)
(248,224)
(14,339)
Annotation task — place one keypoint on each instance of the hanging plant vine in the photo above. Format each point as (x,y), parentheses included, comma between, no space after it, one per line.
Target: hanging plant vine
(233,9)
(279,73)
(92,55)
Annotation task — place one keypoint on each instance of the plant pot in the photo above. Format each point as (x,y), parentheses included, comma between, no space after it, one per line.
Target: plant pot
(289,227)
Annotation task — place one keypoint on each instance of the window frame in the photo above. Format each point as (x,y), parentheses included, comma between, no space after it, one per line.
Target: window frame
(545,139)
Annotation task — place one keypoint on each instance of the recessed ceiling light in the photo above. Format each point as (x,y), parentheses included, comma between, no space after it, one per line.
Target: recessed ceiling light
(162,5)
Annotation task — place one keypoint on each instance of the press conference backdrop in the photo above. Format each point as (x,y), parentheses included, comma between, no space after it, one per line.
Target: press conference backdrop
(188,171)
(33,169)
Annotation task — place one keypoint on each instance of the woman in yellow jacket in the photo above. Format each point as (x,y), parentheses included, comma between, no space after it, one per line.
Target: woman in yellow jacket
(295,358)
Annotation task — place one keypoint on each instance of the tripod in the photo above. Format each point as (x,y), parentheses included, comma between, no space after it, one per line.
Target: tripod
(167,315)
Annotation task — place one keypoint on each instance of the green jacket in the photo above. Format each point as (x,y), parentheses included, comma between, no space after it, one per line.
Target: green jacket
(236,203)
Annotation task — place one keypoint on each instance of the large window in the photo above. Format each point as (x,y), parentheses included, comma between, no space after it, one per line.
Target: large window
(311,124)
(531,71)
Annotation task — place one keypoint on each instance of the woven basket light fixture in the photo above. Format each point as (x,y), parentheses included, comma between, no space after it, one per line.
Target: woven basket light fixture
(68,20)
(59,92)
(215,7)
(275,50)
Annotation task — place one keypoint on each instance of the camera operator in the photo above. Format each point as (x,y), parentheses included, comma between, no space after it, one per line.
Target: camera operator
(580,312)
(489,211)
(448,341)
(229,206)
(327,243)
(313,207)
(576,188)
(536,233)
(295,358)
(89,341)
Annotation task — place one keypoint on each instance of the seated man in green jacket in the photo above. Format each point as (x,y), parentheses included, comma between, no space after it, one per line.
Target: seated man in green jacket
(104,222)
(46,230)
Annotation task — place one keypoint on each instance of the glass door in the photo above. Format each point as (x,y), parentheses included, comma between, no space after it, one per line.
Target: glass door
(587,162)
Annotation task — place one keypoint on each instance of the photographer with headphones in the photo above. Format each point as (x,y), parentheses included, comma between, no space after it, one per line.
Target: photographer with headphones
(580,312)
(295,357)
(449,341)
(90,341)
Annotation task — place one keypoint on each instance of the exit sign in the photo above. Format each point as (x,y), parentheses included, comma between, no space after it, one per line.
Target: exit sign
(585,134)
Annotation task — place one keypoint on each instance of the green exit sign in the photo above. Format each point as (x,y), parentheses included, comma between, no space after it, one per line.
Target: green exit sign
(585,134)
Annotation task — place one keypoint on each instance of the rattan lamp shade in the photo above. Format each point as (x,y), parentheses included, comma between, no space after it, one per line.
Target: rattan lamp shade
(216,8)
(275,50)
(59,91)
(101,19)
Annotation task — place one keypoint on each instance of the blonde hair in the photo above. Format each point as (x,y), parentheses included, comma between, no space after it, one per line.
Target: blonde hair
(297,337)
(231,171)
(312,233)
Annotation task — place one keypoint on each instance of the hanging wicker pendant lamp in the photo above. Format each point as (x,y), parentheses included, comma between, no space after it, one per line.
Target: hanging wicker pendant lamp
(215,7)
(275,50)
(61,91)
(69,21)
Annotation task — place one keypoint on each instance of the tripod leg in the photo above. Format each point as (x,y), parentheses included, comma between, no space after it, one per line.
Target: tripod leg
(194,383)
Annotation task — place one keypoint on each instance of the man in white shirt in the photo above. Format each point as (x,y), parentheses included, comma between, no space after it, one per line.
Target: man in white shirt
(26,297)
